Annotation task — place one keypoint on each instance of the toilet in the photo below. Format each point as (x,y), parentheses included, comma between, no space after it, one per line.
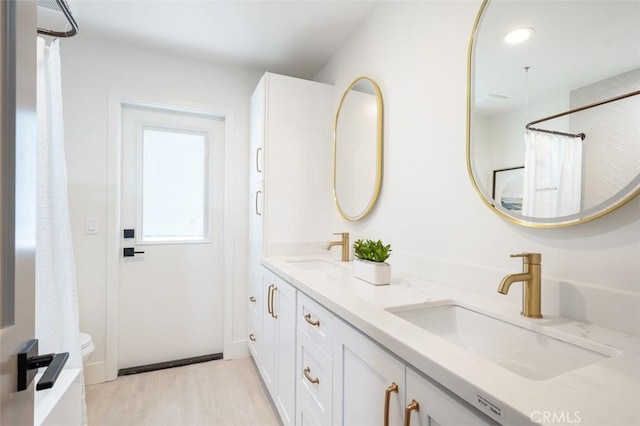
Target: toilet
(87,347)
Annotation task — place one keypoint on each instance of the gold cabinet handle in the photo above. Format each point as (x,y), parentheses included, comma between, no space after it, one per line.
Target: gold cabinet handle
(257,164)
(258,213)
(313,380)
(252,299)
(269,299)
(273,292)
(387,396)
(307,318)
(252,337)
(413,405)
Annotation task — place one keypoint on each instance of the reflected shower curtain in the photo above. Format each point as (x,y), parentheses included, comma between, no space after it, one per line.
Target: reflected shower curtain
(57,319)
(552,175)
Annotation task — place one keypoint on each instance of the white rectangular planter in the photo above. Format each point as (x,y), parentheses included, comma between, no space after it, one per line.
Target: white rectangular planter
(376,273)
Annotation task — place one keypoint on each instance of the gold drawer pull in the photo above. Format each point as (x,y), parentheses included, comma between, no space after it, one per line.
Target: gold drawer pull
(269,299)
(315,381)
(413,405)
(272,290)
(387,396)
(307,318)
(252,299)
(252,337)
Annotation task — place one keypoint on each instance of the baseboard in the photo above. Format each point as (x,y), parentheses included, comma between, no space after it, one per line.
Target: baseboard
(168,364)
(236,349)
(94,373)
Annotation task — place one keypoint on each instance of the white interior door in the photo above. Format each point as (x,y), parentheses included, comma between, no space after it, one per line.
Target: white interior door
(172,194)
(17,204)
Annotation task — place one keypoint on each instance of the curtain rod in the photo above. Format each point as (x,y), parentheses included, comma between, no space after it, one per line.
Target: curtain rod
(562,114)
(64,8)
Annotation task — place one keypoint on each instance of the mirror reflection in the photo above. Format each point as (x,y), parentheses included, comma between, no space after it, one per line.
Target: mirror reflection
(358,149)
(539,153)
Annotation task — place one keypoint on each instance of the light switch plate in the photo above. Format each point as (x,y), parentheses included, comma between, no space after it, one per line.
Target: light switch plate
(90,225)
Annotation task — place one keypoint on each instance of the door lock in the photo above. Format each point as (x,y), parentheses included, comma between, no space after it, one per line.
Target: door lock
(130,252)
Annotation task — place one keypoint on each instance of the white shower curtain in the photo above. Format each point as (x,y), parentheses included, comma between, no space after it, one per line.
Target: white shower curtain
(57,320)
(552,175)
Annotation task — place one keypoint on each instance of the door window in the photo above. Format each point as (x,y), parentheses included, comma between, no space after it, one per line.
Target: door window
(174,201)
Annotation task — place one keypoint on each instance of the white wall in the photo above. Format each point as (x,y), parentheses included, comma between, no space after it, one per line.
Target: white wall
(428,209)
(91,69)
(611,151)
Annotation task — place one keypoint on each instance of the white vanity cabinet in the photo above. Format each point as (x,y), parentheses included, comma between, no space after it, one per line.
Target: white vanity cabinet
(363,372)
(279,344)
(371,386)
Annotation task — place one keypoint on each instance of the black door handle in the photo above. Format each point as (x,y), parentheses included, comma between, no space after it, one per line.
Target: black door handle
(130,252)
(29,361)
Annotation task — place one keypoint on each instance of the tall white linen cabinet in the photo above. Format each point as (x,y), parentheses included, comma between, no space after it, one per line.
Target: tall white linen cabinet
(291,162)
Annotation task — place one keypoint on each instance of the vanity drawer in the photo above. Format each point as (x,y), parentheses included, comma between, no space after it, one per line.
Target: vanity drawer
(316,321)
(254,335)
(314,375)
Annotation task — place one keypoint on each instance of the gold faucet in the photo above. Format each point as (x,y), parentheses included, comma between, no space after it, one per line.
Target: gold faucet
(532,288)
(344,242)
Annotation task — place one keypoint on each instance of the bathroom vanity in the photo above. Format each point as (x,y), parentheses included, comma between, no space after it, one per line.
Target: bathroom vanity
(335,350)
(344,352)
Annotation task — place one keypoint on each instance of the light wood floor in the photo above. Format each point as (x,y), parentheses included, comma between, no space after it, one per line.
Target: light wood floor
(211,393)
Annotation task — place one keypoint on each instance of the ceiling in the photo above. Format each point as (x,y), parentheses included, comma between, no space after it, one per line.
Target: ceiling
(575,43)
(290,37)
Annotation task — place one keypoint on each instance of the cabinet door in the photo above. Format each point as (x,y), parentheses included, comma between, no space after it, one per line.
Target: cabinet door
(269,324)
(304,417)
(437,406)
(257,131)
(279,343)
(256,225)
(363,372)
(255,315)
(313,378)
(284,307)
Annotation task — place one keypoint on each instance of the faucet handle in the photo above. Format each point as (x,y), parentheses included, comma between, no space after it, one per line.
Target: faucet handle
(530,258)
(342,234)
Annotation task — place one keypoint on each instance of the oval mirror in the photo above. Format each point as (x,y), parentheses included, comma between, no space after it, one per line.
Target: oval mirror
(357,149)
(553,120)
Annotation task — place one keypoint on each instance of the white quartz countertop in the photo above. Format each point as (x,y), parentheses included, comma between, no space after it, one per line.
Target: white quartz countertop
(606,392)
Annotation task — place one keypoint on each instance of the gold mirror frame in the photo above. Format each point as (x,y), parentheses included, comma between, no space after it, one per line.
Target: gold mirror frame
(569,221)
(376,191)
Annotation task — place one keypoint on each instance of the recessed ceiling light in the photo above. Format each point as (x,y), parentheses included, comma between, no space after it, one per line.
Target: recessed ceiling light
(518,35)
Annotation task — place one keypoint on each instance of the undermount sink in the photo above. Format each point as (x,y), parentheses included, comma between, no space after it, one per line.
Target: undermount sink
(314,265)
(525,352)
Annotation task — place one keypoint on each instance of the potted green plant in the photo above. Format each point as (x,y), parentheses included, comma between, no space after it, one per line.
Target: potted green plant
(370,265)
